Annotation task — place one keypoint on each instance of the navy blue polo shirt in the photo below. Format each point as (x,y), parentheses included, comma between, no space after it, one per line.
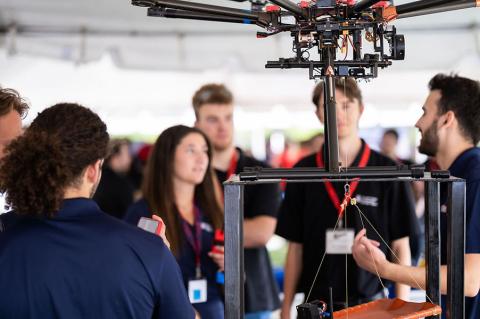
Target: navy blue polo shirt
(466,166)
(83,263)
(213,308)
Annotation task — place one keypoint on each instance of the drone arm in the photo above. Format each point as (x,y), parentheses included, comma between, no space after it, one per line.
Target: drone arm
(182,14)
(425,7)
(421,5)
(289,6)
(208,9)
(364,4)
(456,5)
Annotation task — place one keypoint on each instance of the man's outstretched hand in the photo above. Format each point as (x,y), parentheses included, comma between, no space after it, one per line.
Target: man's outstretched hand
(367,254)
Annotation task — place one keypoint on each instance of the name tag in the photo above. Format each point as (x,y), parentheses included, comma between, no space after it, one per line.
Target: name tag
(340,241)
(197,290)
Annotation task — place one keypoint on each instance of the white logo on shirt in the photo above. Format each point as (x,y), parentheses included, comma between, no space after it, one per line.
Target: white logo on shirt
(367,200)
(206,227)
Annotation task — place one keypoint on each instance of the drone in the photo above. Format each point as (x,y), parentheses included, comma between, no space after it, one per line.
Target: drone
(329,26)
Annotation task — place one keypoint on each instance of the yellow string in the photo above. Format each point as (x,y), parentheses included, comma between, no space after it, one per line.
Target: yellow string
(371,255)
(321,262)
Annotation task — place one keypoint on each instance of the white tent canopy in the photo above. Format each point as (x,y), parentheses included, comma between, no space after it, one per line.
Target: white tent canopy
(140,72)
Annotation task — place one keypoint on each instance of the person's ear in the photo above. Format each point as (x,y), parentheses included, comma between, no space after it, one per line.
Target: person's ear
(448,119)
(362,108)
(94,171)
(320,114)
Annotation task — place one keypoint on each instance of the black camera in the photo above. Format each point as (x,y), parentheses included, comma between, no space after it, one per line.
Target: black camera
(313,310)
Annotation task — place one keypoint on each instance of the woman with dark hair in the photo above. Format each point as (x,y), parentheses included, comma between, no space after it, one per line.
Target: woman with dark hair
(63,257)
(179,187)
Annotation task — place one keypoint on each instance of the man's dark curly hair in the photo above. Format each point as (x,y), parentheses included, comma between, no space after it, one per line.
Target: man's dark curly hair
(51,155)
(462,96)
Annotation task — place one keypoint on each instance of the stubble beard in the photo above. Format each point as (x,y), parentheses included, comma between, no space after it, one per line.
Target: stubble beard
(429,142)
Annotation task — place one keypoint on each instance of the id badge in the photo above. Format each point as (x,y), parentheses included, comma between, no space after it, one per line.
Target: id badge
(340,241)
(197,290)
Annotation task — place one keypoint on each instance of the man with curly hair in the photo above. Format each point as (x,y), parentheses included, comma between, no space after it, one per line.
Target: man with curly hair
(12,109)
(64,257)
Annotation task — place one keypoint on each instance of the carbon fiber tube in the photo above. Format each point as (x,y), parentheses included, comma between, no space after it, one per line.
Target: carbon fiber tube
(457,5)
(289,6)
(426,4)
(182,14)
(364,4)
(206,8)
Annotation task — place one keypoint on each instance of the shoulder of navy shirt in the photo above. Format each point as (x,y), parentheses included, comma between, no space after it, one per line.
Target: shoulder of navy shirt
(83,263)
(467,166)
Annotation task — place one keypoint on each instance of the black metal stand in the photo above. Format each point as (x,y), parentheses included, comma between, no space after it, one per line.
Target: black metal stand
(432,241)
(456,250)
(234,268)
(331,135)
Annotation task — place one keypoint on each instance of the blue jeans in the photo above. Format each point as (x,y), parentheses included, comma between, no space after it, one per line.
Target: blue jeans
(258,315)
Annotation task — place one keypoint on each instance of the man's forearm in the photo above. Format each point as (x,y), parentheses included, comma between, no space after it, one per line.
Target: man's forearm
(293,268)
(401,248)
(407,275)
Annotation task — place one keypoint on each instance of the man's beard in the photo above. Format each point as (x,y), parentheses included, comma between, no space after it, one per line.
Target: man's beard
(429,142)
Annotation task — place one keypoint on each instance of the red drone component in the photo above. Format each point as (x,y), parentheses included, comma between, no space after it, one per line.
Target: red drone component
(304,4)
(381,4)
(272,8)
(347,2)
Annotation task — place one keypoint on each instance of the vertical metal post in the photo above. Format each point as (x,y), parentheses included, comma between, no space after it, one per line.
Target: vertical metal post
(234,268)
(330,119)
(456,250)
(432,241)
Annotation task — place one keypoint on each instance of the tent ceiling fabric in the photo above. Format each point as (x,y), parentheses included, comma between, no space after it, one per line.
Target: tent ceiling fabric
(81,31)
(140,72)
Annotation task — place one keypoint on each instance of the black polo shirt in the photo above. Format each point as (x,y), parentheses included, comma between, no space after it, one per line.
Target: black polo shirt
(307,212)
(261,291)
(83,263)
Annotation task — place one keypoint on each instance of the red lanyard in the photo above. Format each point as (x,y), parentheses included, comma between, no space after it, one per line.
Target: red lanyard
(353,186)
(233,164)
(195,240)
